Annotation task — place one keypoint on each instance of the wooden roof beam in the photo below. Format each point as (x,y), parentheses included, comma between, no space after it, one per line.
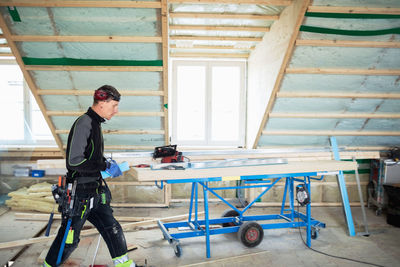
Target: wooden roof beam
(88,39)
(354,10)
(212,55)
(226,47)
(216,38)
(343,71)
(96,4)
(90,92)
(331,133)
(121,131)
(120,113)
(218,28)
(323,115)
(199,15)
(338,95)
(347,43)
(238,2)
(92,68)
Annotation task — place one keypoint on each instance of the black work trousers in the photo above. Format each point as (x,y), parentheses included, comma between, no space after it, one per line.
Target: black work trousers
(95,207)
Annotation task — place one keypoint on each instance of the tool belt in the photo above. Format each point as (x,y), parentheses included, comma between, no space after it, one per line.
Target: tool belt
(77,193)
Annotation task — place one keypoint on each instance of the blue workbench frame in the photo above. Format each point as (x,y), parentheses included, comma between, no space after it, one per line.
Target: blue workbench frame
(197,227)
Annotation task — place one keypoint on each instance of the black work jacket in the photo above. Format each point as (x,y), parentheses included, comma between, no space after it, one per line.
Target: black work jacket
(85,147)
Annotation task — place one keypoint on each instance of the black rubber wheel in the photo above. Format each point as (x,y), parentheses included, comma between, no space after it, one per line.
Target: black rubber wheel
(250,234)
(229,213)
(178,250)
(314,233)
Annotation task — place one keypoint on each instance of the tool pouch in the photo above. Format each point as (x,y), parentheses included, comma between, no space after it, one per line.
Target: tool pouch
(105,195)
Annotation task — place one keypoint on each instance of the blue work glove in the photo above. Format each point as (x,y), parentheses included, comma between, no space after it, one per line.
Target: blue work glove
(112,168)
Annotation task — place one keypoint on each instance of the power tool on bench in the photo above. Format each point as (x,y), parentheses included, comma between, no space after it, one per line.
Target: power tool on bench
(169,154)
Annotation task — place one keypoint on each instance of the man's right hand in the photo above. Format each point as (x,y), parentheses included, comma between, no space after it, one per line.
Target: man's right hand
(112,168)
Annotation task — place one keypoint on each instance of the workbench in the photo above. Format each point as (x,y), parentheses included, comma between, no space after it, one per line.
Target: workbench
(234,220)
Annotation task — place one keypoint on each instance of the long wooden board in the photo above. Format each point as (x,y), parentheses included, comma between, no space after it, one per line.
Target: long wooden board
(146,174)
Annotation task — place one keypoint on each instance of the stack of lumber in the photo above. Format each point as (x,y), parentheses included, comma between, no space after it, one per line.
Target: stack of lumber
(38,197)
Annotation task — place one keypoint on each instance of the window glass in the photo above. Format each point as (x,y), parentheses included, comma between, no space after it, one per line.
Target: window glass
(225,103)
(11,103)
(190,108)
(40,129)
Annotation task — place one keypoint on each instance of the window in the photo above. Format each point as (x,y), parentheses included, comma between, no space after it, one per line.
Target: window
(208,103)
(23,122)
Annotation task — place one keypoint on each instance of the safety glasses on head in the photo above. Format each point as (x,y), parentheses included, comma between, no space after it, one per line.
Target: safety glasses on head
(102,95)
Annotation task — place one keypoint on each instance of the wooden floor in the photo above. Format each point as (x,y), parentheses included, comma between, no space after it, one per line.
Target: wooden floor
(280,247)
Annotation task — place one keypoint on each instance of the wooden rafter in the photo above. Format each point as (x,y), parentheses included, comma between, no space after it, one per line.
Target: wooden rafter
(30,82)
(239,2)
(343,71)
(119,114)
(355,10)
(326,115)
(200,15)
(226,47)
(337,95)
(90,92)
(93,68)
(89,39)
(331,133)
(165,55)
(216,38)
(285,62)
(211,55)
(4,45)
(121,131)
(46,3)
(347,43)
(218,28)
(6,54)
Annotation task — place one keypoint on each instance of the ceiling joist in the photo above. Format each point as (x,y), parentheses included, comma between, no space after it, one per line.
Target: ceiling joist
(90,92)
(337,95)
(218,28)
(226,47)
(216,38)
(121,131)
(319,115)
(195,15)
(211,55)
(347,43)
(119,114)
(238,2)
(332,133)
(96,4)
(88,39)
(343,71)
(354,10)
(6,55)
(93,68)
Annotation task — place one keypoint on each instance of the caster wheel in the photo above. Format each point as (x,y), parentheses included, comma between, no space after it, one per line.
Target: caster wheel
(177,249)
(251,234)
(229,213)
(314,233)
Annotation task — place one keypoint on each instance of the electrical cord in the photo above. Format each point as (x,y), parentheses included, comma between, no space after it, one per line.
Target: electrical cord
(329,255)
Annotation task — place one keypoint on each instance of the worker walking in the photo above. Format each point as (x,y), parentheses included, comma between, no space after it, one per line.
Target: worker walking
(86,195)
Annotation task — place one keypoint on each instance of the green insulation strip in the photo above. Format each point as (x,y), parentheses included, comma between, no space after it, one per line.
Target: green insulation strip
(89,62)
(14,13)
(305,28)
(351,15)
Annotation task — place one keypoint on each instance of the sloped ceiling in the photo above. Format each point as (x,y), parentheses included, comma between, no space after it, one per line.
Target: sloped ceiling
(342,79)
(66,49)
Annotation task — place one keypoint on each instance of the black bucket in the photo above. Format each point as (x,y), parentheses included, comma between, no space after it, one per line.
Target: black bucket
(393,207)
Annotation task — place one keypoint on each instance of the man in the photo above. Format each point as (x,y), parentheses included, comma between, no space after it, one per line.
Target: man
(84,161)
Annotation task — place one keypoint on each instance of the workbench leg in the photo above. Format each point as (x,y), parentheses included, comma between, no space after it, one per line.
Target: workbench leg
(191,203)
(284,196)
(308,208)
(291,196)
(196,200)
(205,192)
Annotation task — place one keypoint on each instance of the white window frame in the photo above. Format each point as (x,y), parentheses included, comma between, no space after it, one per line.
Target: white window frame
(28,138)
(242,104)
